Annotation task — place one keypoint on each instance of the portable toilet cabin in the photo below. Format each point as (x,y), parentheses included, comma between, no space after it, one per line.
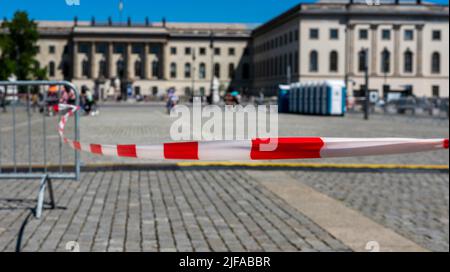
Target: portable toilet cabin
(301,95)
(294,98)
(336,94)
(283,98)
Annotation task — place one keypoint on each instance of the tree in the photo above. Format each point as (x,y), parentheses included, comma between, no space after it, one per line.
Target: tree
(18,48)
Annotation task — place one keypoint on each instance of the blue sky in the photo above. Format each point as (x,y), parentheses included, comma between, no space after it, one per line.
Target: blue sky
(245,11)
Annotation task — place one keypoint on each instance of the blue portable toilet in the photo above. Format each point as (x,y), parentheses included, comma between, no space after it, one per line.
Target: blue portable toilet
(337,94)
(283,99)
(301,90)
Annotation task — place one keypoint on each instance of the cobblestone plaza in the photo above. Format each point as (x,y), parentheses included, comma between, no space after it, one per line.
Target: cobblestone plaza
(157,207)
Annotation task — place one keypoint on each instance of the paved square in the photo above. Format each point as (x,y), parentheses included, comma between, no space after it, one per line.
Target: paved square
(220,209)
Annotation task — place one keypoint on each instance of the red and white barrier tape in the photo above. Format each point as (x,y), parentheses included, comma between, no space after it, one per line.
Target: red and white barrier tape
(285,149)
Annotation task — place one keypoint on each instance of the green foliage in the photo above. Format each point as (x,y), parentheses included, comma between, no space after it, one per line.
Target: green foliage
(18,48)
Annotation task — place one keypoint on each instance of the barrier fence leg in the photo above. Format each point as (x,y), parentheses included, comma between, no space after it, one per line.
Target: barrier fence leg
(45,182)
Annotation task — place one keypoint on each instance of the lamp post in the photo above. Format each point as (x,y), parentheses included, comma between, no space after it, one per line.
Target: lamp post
(365,51)
(193,71)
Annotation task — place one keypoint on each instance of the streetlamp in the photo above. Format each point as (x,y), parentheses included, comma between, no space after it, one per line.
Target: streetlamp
(364,54)
(193,71)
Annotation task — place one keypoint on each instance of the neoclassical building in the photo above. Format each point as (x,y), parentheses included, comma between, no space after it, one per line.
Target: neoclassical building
(147,59)
(407,46)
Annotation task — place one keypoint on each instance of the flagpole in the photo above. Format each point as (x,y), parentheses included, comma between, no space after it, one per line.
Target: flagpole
(120,11)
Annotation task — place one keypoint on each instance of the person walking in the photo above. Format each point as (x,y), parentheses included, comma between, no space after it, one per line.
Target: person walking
(3,99)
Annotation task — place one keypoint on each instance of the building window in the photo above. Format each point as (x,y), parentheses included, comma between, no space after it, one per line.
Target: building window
(102,69)
(85,67)
(137,49)
(408,61)
(173,50)
(436,63)
(119,49)
(314,34)
(155,69)
(187,51)
(296,62)
(436,35)
(51,49)
(313,61)
(217,70)
(231,51)
(120,66)
(155,91)
(217,51)
(202,71)
(296,35)
(138,69)
(202,51)
(173,70)
(291,37)
(101,48)
(51,69)
(363,34)
(155,49)
(245,71)
(362,63)
(409,35)
(202,91)
(334,34)
(246,51)
(386,61)
(84,48)
(334,61)
(435,91)
(187,91)
(187,70)
(386,34)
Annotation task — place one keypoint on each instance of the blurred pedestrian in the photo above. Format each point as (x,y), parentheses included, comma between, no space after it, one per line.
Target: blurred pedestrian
(3,99)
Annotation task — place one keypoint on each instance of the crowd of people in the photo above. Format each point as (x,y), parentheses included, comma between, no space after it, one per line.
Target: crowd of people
(45,100)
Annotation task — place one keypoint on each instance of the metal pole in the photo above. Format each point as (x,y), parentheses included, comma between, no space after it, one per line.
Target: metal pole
(13,102)
(29,128)
(193,71)
(366,86)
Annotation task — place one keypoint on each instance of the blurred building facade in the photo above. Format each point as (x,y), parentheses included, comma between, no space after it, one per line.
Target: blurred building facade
(408,51)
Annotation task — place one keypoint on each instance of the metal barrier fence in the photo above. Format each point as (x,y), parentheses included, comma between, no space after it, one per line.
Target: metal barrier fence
(18,95)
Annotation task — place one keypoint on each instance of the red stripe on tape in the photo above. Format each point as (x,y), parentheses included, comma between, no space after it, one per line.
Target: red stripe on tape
(77,145)
(181,151)
(128,151)
(96,149)
(446,143)
(287,148)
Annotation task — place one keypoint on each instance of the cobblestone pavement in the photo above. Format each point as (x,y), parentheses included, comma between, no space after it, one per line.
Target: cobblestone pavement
(414,205)
(180,210)
(151,125)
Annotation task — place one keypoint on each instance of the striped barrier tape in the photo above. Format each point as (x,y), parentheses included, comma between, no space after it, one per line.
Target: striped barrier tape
(286,148)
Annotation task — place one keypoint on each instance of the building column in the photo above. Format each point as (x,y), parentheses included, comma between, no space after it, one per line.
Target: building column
(162,60)
(75,64)
(374,48)
(129,65)
(93,63)
(419,53)
(350,49)
(147,70)
(110,60)
(397,50)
